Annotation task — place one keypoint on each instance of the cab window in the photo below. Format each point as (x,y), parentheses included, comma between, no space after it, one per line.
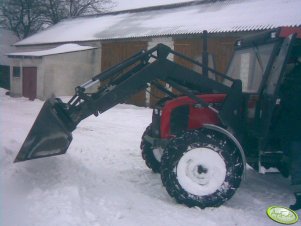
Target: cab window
(249,65)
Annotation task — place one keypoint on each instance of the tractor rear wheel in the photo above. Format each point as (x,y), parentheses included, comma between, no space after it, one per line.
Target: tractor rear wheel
(201,168)
(151,155)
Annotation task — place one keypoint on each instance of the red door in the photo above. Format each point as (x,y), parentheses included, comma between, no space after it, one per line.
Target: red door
(30,82)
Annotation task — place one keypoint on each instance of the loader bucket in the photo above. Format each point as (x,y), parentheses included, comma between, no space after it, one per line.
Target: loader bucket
(50,134)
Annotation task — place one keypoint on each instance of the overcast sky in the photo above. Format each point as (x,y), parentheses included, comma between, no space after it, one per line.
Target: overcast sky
(130,4)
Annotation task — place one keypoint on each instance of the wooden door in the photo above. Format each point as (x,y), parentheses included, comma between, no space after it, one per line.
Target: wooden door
(220,48)
(114,53)
(29,82)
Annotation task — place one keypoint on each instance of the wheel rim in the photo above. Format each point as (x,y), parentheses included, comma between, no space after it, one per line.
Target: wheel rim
(201,171)
(158,152)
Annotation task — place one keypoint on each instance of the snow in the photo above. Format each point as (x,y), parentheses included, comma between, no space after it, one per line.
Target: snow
(135,4)
(66,48)
(103,181)
(218,16)
(201,184)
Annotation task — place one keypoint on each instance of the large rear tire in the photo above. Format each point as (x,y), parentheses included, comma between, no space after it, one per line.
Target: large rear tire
(201,168)
(151,155)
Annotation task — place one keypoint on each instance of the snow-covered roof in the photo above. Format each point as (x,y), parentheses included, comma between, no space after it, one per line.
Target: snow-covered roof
(135,4)
(7,39)
(213,16)
(66,48)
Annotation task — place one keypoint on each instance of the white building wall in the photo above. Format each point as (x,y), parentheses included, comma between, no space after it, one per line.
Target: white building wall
(168,41)
(64,72)
(58,74)
(16,82)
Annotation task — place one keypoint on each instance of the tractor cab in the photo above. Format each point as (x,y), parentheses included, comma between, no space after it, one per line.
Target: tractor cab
(263,63)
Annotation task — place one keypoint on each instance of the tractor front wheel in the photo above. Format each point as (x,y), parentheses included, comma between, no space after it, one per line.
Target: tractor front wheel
(151,155)
(201,168)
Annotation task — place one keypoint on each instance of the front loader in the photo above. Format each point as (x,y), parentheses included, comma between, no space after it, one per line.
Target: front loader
(200,138)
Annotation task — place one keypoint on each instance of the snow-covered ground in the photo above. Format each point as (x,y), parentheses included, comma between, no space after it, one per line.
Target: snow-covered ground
(103,181)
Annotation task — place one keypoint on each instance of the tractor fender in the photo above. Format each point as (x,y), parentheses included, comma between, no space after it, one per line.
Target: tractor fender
(233,139)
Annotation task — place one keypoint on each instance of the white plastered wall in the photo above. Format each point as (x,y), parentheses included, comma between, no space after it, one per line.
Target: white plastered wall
(64,72)
(58,74)
(16,89)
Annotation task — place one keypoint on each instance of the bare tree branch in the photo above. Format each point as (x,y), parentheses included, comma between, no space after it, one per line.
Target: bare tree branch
(26,17)
(23,17)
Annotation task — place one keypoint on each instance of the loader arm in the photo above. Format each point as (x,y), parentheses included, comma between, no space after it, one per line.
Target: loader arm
(51,132)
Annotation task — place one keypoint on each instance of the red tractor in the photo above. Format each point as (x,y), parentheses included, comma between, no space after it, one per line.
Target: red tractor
(201,138)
